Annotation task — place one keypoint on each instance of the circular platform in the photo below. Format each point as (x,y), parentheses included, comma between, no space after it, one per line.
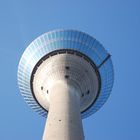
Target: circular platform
(67,55)
(70,67)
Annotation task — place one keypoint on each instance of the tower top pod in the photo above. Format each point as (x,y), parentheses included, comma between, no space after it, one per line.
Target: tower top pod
(69,56)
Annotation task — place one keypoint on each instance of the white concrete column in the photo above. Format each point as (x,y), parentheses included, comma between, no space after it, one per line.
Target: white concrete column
(64,119)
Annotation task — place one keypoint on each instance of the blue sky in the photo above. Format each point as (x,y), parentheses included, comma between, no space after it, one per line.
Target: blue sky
(115,23)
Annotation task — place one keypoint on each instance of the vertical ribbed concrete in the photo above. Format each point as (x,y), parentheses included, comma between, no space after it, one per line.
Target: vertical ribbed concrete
(64,119)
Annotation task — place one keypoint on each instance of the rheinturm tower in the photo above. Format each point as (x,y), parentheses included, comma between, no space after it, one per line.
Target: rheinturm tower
(66,76)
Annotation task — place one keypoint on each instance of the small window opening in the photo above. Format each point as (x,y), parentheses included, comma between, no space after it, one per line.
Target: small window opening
(47,91)
(67,67)
(82,95)
(66,76)
(88,92)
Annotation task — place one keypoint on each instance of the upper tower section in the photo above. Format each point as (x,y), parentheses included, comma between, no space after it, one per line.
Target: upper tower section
(68,56)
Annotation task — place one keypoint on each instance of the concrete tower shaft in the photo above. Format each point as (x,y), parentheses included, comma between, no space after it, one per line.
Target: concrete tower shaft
(64,118)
